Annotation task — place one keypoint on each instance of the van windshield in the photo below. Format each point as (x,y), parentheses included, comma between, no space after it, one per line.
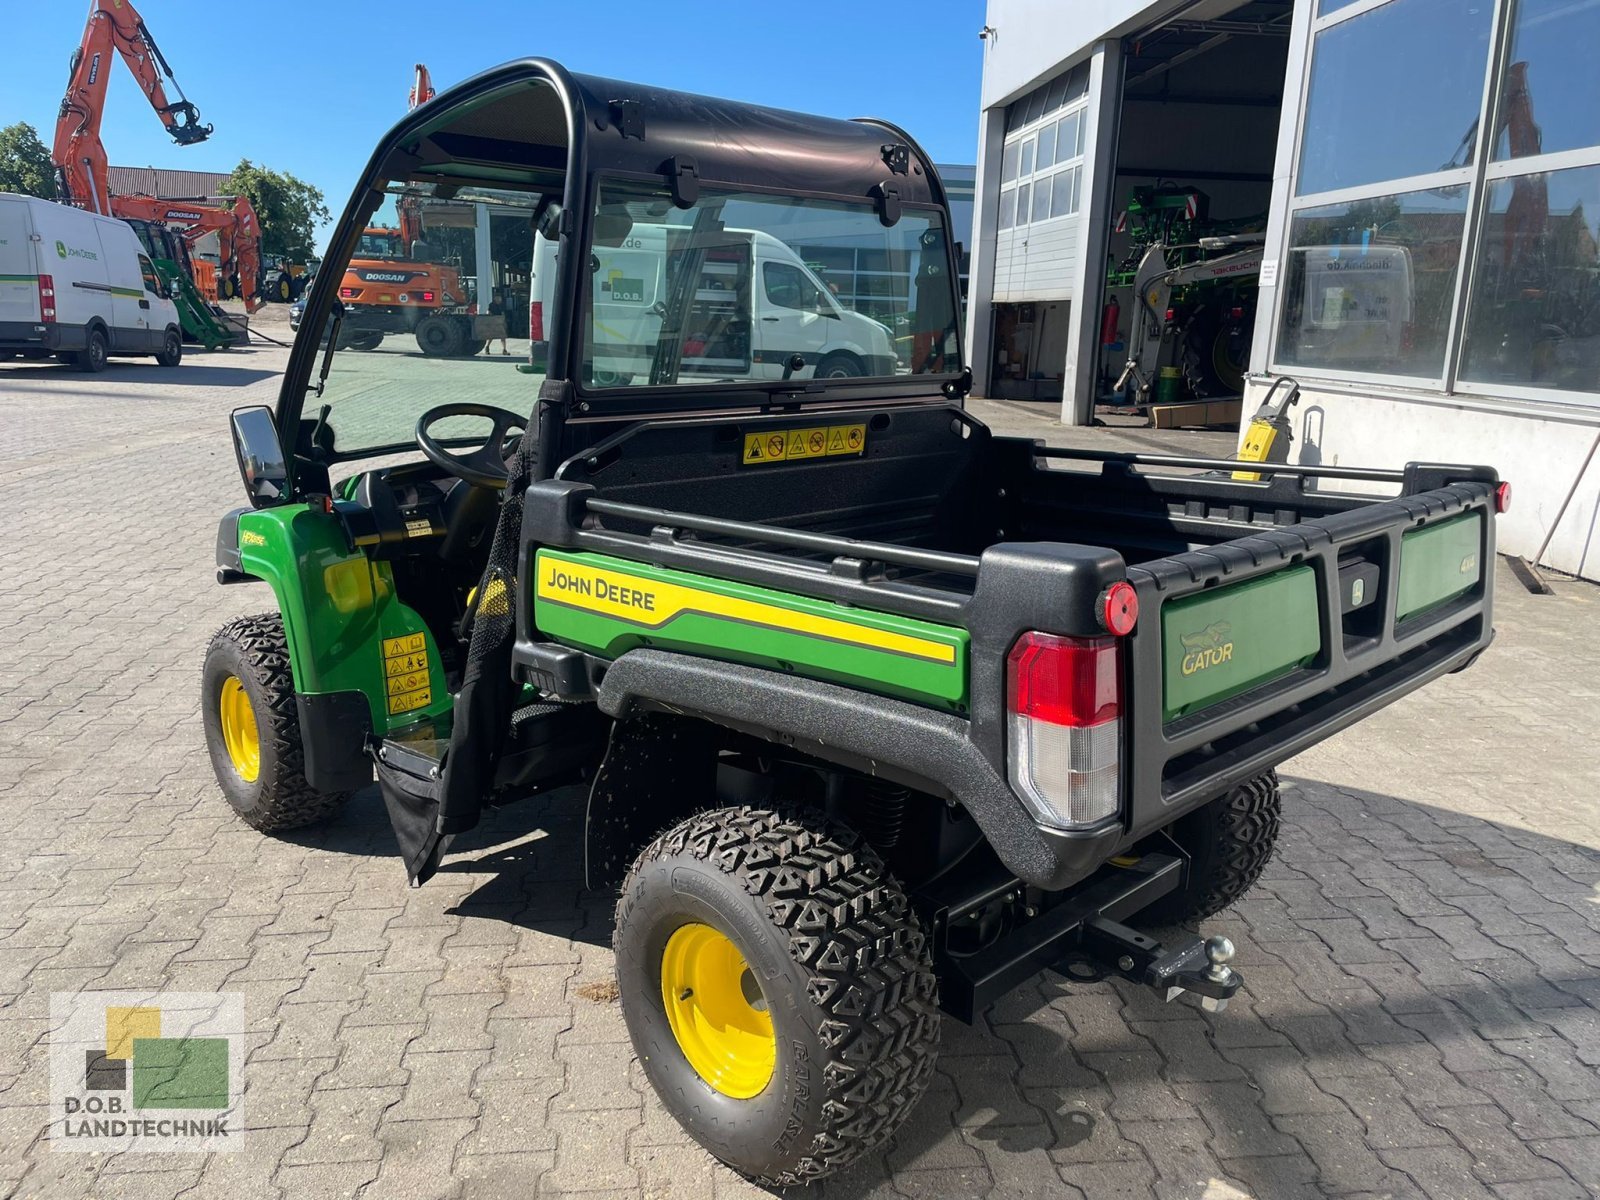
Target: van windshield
(743,286)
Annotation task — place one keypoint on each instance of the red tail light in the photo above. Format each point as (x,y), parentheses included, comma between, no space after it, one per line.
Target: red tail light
(1064,727)
(1172,315)
(349,293)
(536,320)
(47,299)
(427,297)
(1238,313)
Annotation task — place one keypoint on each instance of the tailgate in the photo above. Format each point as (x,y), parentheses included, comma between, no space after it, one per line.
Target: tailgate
(1260,647)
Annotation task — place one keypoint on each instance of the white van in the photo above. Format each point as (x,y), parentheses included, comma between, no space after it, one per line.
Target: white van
(757,307)
(79,286)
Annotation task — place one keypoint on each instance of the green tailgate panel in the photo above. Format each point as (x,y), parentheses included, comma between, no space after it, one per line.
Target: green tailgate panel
(1231,639)
(1439,562)
(610,605)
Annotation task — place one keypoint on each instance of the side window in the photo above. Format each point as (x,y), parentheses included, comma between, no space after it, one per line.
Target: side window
(152,282)
(787,287)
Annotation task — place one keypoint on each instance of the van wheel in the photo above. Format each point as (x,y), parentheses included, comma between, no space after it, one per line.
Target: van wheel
(778,989)
(95,354)
(1228,843)
(171,349)
(840,366)
(439,337)
(253,728)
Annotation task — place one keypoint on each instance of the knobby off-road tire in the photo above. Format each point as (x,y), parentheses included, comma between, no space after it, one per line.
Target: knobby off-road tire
(275,796)
(1228,842)
(833,953)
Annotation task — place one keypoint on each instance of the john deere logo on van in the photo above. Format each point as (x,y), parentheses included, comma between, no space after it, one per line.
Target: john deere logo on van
(1208,648)
(65,251)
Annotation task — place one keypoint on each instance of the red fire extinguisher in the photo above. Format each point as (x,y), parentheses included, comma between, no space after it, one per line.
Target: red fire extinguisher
(1108,322)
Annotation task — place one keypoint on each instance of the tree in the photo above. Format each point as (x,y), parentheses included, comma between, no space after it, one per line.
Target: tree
(25,163)
(289,209)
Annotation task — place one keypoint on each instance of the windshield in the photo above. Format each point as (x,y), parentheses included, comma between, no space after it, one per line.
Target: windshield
(743,287)
(443,317)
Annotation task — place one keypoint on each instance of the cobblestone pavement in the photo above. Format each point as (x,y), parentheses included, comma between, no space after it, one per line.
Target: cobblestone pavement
(1422,957)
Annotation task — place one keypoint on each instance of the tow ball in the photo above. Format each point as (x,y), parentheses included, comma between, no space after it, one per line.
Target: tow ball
(1196,966)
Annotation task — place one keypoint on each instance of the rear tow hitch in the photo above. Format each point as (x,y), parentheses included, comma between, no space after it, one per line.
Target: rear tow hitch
(1193,965)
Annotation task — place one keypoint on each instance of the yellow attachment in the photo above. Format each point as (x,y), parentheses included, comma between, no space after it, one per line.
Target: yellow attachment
(239,732)
(1258,441)
(717,1012)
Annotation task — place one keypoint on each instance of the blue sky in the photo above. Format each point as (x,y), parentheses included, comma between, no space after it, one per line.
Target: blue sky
(309,87)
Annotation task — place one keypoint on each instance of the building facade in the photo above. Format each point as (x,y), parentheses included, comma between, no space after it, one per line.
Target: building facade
(1411,189)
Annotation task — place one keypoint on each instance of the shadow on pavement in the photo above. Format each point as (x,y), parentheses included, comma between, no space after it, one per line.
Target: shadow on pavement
(1338,1025)
(194,371)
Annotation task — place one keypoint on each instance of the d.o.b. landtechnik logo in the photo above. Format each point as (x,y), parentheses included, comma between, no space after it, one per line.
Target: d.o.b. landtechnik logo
(153,1071)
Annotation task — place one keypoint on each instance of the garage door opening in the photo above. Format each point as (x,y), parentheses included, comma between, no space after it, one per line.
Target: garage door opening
(1197,134)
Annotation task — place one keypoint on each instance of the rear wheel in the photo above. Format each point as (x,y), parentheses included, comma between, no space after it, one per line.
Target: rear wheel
(171,353)
(1228,843)
(253,729)
(95,354)
(283,290)
(439,336)
(778,989)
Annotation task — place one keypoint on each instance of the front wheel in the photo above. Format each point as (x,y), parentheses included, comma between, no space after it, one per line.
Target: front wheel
(840,366)
(171,353)
(778,989)
(1228,842)
(253,729)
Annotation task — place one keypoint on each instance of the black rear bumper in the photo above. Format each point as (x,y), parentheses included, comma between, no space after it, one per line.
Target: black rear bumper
(45,337)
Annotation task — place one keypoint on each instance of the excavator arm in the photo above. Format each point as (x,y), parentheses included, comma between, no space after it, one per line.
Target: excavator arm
(79,155)
(237,228)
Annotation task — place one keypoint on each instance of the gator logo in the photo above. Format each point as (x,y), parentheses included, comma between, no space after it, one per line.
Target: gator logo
(1469,565)
(1209,647)
(248,537)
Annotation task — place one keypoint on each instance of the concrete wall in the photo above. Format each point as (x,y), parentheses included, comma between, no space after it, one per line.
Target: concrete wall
(1539,452)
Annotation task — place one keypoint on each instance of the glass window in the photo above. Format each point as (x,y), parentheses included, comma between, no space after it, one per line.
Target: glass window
(1008,161)
(148,271)
(1550,97)
(1395,92)
(1008,208)
(1033,106)
(1064,197)
(1332,6)
(1534,316)
(1025,164)
(1068,132)
(1041,199)
(1057,95)
(789,286)
(1024,202)
(1369,285)
(1047,148)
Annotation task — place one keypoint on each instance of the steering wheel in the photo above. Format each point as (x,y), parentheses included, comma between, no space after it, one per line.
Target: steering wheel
(485,466)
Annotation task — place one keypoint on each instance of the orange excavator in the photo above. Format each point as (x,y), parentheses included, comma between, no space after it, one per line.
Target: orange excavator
(80,160)
(391,286)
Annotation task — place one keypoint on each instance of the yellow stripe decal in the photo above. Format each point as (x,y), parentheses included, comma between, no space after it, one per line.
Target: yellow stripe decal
(652,603)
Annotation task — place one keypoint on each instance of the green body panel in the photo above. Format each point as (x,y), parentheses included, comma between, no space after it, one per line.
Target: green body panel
(1230,639)
(338,610)
(737,622)
(194,313)
(1439,562)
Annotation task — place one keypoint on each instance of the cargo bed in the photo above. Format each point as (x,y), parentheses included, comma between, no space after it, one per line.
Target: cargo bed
(1272,613)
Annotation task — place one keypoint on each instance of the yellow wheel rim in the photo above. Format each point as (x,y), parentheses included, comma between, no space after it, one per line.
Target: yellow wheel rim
(239,732)
(717,1012)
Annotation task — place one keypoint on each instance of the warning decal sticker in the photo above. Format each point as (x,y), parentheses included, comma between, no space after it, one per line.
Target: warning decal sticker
(405,666)
(787,445)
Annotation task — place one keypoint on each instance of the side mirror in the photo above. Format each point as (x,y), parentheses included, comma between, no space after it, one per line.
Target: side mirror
(259,451)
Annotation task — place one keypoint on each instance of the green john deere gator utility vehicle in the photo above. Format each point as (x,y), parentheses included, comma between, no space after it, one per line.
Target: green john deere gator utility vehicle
(878,713)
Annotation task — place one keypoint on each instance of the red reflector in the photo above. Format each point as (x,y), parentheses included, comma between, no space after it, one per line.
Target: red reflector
(427,297)
(1502,498)
(1120,612)
(1238,314)
(1172,314)
(1064,681)
(536,320)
